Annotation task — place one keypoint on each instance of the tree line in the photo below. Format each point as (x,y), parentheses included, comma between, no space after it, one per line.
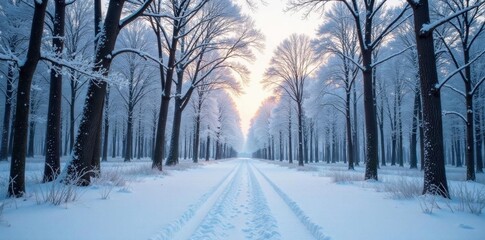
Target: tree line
(399,60)
(135,62)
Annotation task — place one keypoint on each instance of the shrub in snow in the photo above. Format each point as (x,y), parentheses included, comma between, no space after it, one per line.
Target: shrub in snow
(428,202)
(108,180)
(58,192)
(345,176)
(403,188)
(469,198)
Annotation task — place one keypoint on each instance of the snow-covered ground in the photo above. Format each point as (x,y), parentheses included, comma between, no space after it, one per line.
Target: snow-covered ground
(239,199)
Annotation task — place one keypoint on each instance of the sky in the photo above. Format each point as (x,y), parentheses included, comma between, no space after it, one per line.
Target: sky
(276,25)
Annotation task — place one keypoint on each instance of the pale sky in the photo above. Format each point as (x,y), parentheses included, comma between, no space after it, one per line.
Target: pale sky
(276,25)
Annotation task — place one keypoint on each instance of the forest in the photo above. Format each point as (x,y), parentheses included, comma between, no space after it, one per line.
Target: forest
(96,80)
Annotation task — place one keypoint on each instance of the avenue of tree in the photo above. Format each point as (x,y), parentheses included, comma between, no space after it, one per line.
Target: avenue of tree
(154,78)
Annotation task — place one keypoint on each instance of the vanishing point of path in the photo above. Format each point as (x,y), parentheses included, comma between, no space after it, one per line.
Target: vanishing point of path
(244,204)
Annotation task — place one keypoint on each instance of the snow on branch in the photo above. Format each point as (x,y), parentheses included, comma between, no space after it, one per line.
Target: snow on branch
(80,67)
(125,21)
(392,56)
(144,55)
(454,89)
(428,28)
(477,85)
(456,114)
(458,70)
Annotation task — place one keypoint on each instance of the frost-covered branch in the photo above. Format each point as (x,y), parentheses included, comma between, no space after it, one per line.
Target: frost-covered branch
(428,28)
(144,55)
(455,114)
(392,56)
(130,18)
(454,89)
(458,70)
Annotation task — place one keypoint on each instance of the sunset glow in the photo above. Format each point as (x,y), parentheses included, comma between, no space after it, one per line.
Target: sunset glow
(276,24)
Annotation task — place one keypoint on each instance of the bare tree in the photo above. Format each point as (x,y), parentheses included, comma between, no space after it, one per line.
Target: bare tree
(89,129)
(27,68)
(369,37)
(466,29)
(292,64)
(135,78)
(220,37)
(339,39)
(52,166)
(434,169)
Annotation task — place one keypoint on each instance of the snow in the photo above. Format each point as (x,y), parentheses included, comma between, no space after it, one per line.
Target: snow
(235,199)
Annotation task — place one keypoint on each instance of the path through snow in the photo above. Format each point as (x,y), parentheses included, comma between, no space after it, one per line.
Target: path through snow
(237,208)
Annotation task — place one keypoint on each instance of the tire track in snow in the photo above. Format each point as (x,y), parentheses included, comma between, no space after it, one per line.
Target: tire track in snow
(262,224)
(315,230)
(168,232)
(218,220)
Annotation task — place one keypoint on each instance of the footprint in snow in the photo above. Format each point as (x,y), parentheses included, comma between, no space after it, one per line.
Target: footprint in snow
(464,226)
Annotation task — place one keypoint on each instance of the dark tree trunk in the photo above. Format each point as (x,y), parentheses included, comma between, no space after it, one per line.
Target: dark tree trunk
(470,146)
(371,156)
(350,149)
(413,159)
(195,154)
(173,153)
(207,146)
(355,133)
(30,149)
(88,139)
(17,169)
(52,166)
(106,128)
(166,88)
(290,147)
(300,134)
(316,147)
(434,169)
(129,135)
(6,116)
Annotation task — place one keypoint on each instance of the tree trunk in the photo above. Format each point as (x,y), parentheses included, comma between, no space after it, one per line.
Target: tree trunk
(52,166)
(17,169)
(30,150)
(350,149)
(413,159)
(371,156)
(290,147)
(469,148)
(195,154)
(173,153)
(166,88)
(434,169)
(300,134)
(6,116)
(80,168)
(207,146)
(106,128)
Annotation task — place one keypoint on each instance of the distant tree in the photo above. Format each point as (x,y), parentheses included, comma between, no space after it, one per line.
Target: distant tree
(292,64)
(135,81)
(338,38)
